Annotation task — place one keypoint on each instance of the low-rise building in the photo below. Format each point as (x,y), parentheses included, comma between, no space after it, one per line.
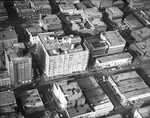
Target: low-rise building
(138,4)
(28,14)
(142,49)
(98,24)
(141,34)
(96,45)
(142,112)
(115,41)
(4,78)
(130,87)
(102,4)
(68,9)
(31,101)
(50,23)
(92,13)
(69,94)
(42,7)
(114,14)
(81,26)
(95,96)
(67,1)
(115,116)
(83,111)
(132,22)
(8,38)
(33,30)
(113,60)
(3,13)
(7,102)
(22,4)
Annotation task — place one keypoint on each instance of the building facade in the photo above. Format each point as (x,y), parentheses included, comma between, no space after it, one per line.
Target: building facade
(4,78)
(116,42)
(113,60)
(61,56)
(19,68)
(142,112)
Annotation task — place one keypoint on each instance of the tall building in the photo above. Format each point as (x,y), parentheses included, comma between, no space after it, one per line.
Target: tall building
(19,68)
(61,56)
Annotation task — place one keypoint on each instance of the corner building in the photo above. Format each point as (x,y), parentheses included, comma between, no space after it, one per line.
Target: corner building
(61,56)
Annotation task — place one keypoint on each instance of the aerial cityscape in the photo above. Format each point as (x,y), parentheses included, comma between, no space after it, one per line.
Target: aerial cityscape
(74,58)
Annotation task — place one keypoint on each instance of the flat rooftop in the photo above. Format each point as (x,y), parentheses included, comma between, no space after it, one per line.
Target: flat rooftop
(130,84)
(143,32)
(87,83)
(80,110)
(43,6)
(124,76)
(34,29)
(133,22)
(55,46)
(115,11)
(93,12)
(51,20)
(114,57)
(8,35)
(7,98)
(97,22)
(72,91)
(67,6)
(113,38)
(144,45)
(144,111)
(31,101)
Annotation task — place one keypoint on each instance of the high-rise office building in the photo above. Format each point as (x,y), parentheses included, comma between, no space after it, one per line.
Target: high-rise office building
(61,56)
(19,68)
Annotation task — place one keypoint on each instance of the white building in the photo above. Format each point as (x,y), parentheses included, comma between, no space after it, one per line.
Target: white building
(114,14)
(69,94)
(95,96)
(113,60)
(129,86)
(92,13)
(4,78)
(142,112)
(115,41)
(69,9)
(61,56)
(33,30)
